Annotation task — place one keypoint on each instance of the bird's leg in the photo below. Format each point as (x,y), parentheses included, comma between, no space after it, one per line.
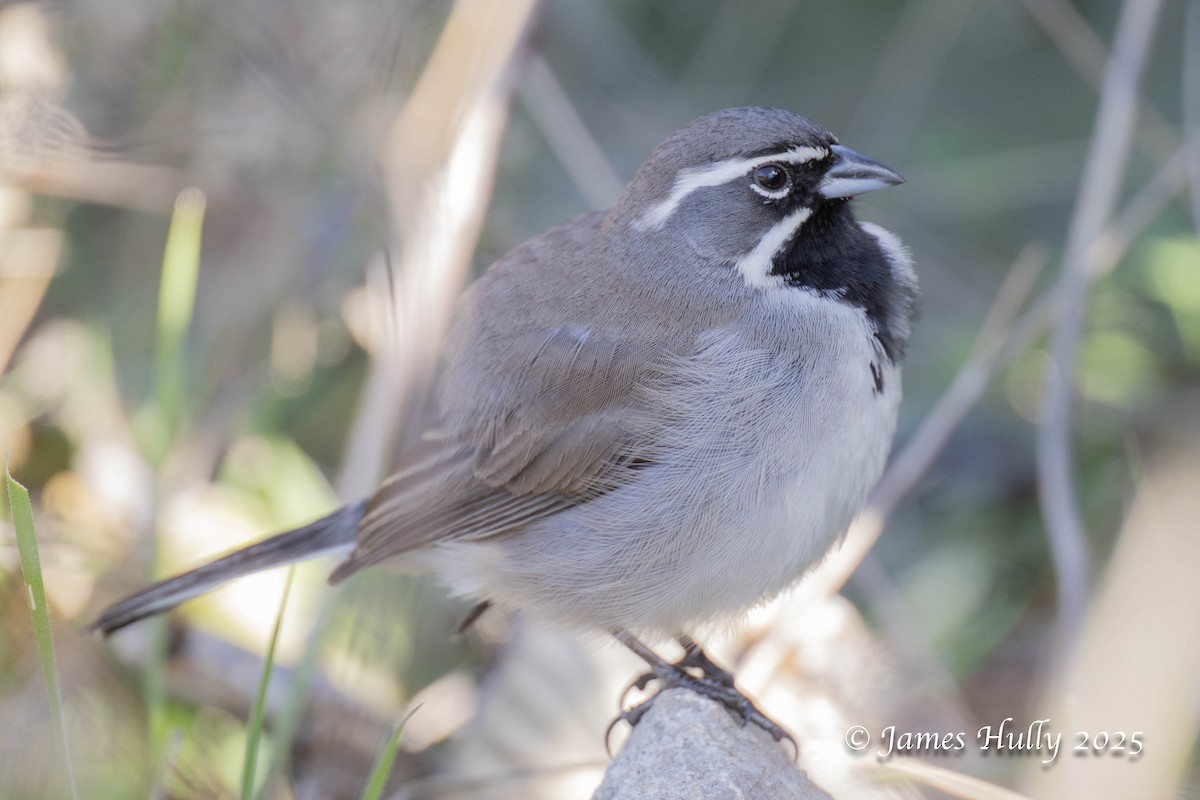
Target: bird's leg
(712,682)
(695,658)
(472,616)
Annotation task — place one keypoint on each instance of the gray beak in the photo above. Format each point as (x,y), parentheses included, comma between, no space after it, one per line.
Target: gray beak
(854,174)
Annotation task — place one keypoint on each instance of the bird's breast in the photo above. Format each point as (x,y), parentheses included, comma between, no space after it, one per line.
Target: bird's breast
(770,441)
(761,444)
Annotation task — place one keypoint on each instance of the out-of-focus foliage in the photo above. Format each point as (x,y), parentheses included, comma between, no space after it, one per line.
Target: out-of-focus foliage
(278,112)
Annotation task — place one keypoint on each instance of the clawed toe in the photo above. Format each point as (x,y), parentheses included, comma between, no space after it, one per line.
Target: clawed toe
(640,683)
(695,672)
(718,687)
(632,715)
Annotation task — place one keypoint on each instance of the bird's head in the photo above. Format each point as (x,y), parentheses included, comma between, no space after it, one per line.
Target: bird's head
(766,192)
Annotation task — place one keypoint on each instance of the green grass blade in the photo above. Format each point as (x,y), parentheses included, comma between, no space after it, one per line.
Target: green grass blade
(288,721)
(176,303)
(255,725)
(154,686)
(385,760)
(31,568)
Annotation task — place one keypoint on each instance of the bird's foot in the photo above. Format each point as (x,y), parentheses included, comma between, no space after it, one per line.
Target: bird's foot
(695,659)
(697,673)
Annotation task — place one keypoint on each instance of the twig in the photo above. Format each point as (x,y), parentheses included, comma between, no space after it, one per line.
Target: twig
(1084,50)
(438,161)
(567,135)
(907,69)
(1167,183)
(1116,119)
(365,457)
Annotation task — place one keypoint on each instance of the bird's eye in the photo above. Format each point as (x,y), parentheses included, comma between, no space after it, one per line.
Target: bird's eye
(771,177)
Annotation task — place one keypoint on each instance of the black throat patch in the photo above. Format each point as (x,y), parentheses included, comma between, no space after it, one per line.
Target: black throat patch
(832,255)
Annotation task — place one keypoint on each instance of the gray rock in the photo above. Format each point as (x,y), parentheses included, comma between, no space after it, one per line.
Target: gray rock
(689,747)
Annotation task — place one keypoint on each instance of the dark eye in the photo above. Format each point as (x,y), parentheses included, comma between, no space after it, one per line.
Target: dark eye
(771,177)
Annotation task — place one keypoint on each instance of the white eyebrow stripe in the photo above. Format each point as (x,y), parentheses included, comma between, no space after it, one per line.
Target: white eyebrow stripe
(693,178)
(755,266)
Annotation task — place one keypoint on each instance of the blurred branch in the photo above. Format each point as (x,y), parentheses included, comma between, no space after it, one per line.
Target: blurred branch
(28,257)
(739,47)
(571,141)
(1171,179)
(139,187)
(1015,177)
(906,72)
(1133,663)
(45,150)
(1084,50)
(1103,173)
(43,147)
(439,162)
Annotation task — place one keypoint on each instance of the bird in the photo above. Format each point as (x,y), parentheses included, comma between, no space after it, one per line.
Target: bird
(653,417)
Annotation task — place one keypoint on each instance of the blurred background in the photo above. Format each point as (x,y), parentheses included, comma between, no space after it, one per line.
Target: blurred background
(230,237)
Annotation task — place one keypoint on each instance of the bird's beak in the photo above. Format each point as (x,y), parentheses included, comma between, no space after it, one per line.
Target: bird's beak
(854,174)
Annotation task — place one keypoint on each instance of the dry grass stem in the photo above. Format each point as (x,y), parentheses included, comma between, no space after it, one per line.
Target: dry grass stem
(1116,120)
(573,144)
(1084,50)
(439,161)
(1133,665)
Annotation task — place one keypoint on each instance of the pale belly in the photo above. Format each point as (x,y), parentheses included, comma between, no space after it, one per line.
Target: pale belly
(757,477)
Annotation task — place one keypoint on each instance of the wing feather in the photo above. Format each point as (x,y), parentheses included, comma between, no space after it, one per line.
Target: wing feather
(547,397)
(536,403)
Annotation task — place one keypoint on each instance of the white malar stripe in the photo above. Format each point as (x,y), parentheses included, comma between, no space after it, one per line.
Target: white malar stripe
(693,178)
(755,266)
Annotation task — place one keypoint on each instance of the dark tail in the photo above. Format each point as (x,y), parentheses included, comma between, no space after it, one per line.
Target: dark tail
(331,533)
